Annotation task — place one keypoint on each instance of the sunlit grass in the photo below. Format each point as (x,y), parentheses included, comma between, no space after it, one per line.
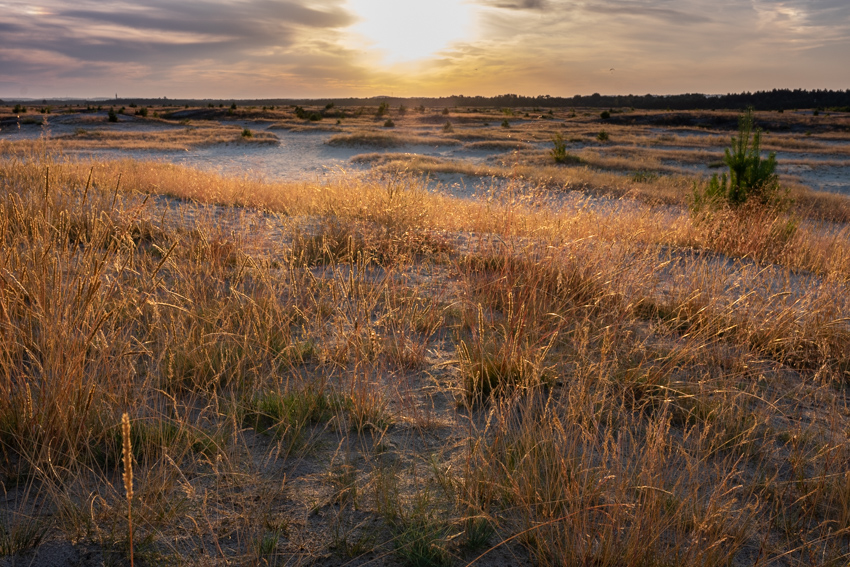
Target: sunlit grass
(589,381)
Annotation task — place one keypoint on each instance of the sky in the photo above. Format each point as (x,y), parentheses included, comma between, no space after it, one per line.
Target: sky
(339,48)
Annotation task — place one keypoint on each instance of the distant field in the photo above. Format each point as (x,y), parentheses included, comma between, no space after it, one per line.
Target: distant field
(450,349)
(649,155)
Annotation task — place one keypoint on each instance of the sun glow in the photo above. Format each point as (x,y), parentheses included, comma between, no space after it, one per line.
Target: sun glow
(405,30)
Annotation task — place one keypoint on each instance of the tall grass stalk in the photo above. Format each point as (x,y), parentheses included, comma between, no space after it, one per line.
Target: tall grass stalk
(127,450)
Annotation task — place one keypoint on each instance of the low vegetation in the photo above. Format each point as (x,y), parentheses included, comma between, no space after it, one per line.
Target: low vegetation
(366,370)
(749,177)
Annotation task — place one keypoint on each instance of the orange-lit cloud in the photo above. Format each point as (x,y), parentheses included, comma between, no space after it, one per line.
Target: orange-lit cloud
(296,48)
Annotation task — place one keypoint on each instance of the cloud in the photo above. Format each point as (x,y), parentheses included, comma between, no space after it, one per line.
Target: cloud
(278,48)
(653,10)
(87,38)
(519,4)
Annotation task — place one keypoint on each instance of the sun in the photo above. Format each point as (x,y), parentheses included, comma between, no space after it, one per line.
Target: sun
(409,30)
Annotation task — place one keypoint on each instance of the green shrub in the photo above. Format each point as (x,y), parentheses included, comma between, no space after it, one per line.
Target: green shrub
(602,136)
(389,123)
(111,116)
(749,175)
(559,152)
(246,133)
(505,123)
(19,109)
(382,109)
(605,115)
(644,176)
(143,112)
(447,127)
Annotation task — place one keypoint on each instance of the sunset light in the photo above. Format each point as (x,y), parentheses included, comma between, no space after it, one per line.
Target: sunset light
(271,48)
(407,31)
(425,283)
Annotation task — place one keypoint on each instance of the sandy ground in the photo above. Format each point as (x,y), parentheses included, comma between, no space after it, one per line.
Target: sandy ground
(305,155)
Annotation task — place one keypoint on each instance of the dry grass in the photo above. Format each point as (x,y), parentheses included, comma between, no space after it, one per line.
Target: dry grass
(170,139)
(365,369)
(385,140)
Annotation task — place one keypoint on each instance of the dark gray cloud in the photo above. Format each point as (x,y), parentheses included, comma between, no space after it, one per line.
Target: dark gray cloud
(520,4)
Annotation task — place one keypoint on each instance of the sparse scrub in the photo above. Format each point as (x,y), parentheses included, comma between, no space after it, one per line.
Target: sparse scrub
(559,151)
(749,175)
(441,379)
(742,213)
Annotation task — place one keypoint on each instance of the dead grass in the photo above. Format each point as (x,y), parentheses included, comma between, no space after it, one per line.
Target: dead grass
(367,370)
(384,140)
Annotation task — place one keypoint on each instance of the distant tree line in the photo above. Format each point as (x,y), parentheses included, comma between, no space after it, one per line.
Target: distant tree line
(776,99)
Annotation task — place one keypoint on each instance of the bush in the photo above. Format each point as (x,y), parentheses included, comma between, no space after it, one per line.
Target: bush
(749,175)
(143,112)
(389,123)
(246,133)
(382,109)
(505,123)
(447,127)
(19,109)
(559,152)
(111,116)
(605,115)
(602,136)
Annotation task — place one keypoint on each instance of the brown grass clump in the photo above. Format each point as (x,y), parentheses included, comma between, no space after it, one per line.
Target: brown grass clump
(369,371)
